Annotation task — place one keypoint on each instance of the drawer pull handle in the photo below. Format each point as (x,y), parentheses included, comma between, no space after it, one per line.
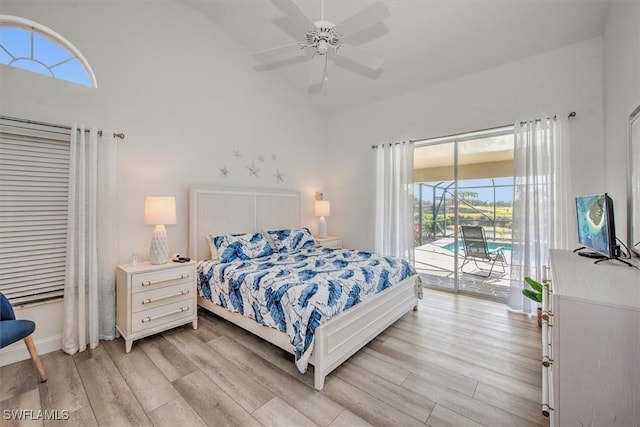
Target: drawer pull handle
(149,319)
(546,344)
(149,283)
(177,294)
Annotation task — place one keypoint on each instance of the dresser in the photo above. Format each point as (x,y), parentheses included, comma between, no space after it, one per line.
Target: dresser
(153,298)
(591,342)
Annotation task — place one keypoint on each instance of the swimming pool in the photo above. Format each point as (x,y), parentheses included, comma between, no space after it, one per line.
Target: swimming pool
(492,246)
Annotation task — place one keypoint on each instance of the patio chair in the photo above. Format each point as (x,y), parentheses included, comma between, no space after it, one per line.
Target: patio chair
(476,250)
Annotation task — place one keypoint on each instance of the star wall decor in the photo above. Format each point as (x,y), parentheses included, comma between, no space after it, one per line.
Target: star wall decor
(253,170)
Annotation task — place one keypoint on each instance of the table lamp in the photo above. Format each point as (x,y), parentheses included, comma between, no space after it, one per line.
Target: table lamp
(159,211)
(322,209)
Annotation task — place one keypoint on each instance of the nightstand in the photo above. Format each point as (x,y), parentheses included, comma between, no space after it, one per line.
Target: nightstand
(153,298)
(329,242)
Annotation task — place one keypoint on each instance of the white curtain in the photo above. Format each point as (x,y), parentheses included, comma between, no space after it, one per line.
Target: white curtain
(543,205)
(89,295)
(394,200)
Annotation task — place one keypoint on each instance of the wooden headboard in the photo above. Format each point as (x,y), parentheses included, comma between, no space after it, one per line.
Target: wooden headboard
(223,210)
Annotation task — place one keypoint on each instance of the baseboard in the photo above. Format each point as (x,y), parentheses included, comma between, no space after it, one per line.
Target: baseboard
(18,351)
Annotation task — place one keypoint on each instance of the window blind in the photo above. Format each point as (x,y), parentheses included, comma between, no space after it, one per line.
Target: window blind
(34,181)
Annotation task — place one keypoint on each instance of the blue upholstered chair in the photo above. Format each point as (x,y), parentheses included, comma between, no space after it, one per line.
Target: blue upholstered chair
(12,330)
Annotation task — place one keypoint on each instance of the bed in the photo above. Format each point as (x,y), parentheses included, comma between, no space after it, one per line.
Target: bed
(219,211)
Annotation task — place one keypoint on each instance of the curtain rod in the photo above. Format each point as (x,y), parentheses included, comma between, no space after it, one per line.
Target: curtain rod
(412,141)
(393,143)
(569,116)
(54,125)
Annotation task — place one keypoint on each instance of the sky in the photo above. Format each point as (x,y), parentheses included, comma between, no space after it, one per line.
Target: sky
(40,55)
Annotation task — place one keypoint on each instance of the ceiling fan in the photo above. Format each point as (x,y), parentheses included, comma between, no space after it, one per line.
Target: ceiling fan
(323,38)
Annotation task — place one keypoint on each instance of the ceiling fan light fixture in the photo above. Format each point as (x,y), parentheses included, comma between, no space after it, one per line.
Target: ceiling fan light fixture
(323,47)
(326,35)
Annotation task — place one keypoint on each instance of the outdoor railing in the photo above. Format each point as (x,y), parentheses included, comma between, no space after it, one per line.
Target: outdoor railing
(491,229)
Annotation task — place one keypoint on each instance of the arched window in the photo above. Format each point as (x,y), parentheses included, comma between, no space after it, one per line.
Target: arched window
(33,47)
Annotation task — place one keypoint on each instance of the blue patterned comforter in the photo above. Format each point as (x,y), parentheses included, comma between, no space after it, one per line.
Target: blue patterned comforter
(297,292)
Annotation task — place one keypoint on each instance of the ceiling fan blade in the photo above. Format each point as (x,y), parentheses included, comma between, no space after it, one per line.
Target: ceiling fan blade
(318,66)
(360,56)
(277,52)
(365,18)
(295,14)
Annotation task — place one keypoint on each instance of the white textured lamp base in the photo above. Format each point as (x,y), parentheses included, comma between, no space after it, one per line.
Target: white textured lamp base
(159,250)
(322,228)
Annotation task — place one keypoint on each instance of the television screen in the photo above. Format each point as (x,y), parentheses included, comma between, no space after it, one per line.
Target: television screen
(596,224)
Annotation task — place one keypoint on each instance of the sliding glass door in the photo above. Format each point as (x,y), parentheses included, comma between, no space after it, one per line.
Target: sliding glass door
(465,183)
(434,214)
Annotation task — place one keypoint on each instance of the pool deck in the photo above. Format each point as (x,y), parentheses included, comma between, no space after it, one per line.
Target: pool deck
(435,264)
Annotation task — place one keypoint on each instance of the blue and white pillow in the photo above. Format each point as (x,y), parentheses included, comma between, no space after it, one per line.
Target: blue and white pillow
(241,246)
(290,240)
(212,247)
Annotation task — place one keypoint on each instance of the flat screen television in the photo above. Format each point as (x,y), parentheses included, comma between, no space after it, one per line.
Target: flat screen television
(596,226)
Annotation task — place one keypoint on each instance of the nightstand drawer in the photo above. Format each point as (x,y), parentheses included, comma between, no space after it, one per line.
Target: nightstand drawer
(162,278)
(329,242)
(148,319)
(334,244)
(161,296)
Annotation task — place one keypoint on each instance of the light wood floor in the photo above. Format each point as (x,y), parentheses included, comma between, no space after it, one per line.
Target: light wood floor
(457,361)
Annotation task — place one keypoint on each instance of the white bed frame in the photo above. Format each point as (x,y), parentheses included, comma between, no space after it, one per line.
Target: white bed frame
(219,210)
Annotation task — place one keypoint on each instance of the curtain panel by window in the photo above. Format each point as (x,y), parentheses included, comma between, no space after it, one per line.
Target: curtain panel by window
(543,211)
(394,200)
(89,294)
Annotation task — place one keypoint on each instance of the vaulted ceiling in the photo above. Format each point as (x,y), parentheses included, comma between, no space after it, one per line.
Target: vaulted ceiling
(423,41)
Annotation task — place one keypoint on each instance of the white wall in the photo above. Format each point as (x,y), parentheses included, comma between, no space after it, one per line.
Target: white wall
(562,80)
(621,97)
(185,94)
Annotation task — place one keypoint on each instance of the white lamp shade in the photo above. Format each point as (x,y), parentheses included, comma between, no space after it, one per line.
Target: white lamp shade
(322,208)
(159,210)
